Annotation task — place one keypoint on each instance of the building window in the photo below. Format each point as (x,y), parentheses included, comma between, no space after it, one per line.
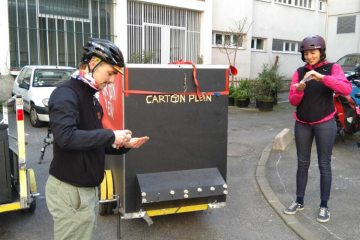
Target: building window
(228,40)
(346,24)
(257,44)
(48,32)
(218,39)
(297,3)
(286,46)
(168,34)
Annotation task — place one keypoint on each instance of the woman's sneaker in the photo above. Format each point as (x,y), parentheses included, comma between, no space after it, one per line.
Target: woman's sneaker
(324,215)
(294,208)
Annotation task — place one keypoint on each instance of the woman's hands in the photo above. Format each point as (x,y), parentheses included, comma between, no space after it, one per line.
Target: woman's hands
(314,76)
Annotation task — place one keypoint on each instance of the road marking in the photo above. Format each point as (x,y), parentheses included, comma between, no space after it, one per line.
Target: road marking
(283,101)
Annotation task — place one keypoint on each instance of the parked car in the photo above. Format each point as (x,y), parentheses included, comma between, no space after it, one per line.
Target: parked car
(350,64)
(36,83)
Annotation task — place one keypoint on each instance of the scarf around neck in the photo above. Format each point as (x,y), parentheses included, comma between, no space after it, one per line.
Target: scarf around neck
(86,78)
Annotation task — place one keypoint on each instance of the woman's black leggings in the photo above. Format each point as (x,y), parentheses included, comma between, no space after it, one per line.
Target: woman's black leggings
(324,134)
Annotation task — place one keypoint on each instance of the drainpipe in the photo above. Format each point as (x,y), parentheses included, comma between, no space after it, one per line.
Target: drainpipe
(327,20)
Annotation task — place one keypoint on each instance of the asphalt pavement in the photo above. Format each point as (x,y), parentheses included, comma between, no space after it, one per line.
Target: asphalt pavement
(247,214)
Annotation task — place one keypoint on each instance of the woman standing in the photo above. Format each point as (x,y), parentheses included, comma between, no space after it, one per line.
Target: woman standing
(314,116)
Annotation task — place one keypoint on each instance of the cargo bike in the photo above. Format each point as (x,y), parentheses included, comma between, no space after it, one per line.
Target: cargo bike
(17,183)
(183,109)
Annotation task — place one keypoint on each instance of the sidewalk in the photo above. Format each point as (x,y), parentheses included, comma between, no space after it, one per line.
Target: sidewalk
(345,193)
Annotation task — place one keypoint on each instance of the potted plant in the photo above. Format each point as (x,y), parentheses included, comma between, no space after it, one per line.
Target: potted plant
(269,82)
(231,95)
(242,98)
(265,103)
(242,94)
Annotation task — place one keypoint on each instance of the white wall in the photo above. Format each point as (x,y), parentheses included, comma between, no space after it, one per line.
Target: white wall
(340,44)
(337,7)
(242,61)
(270,21)
(121,26)
(4,40)
(277,21)
(288,63)
(225,14)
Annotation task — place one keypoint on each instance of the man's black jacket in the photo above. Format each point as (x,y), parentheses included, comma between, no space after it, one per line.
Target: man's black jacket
(80,141)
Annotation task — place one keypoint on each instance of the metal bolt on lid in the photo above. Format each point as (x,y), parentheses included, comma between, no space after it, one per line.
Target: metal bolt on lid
(172,192)
(199,190)
(225,186)
(225,192)
(143,194)
(186,191)
(212,189)
(144,200)
(186,196)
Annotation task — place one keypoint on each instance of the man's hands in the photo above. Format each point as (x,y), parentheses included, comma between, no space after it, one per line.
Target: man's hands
(314,76)
(136,142)
(121,137)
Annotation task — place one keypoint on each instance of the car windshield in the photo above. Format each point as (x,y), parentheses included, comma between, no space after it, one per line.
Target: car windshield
(349,61)
(51,77)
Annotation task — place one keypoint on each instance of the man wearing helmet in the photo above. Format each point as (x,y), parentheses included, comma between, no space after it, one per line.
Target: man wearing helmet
(80,142)
(311,91)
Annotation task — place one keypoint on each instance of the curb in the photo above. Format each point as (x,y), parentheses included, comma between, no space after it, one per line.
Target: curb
(273,200)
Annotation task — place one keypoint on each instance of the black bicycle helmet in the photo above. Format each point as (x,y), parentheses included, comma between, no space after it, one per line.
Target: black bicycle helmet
(104,49)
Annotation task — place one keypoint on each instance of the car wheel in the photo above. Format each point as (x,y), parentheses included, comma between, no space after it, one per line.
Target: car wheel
(34,119)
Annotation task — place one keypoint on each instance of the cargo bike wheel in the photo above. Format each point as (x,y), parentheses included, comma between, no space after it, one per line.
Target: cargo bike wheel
(33,189)
(107,201)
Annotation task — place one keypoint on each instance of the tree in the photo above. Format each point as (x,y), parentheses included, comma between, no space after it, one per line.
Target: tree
(227,47)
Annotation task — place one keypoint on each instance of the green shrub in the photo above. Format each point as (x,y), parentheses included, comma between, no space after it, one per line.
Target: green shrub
(269,82)
(242,92)
(231,91)
(143,57)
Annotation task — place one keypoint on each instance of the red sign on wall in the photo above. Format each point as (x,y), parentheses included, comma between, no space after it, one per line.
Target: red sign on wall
(111,99)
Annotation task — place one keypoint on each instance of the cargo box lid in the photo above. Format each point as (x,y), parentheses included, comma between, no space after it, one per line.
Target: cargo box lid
(175,185)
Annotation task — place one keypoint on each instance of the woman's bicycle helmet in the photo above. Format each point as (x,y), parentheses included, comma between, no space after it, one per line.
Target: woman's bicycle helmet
(311,43)
(104,49)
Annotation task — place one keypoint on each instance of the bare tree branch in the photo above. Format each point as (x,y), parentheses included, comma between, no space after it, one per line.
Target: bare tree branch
(227,47)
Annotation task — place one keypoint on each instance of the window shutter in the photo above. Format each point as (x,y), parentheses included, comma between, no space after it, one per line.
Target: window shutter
(346,24)
(277,45)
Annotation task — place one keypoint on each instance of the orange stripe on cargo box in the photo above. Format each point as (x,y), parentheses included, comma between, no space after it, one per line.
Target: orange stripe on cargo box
(227,79)
(126,81)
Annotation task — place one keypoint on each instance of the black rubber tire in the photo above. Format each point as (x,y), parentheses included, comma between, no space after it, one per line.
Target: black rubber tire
(34,119)
(102,208)
(342,135)
(109,208)
(32,206)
